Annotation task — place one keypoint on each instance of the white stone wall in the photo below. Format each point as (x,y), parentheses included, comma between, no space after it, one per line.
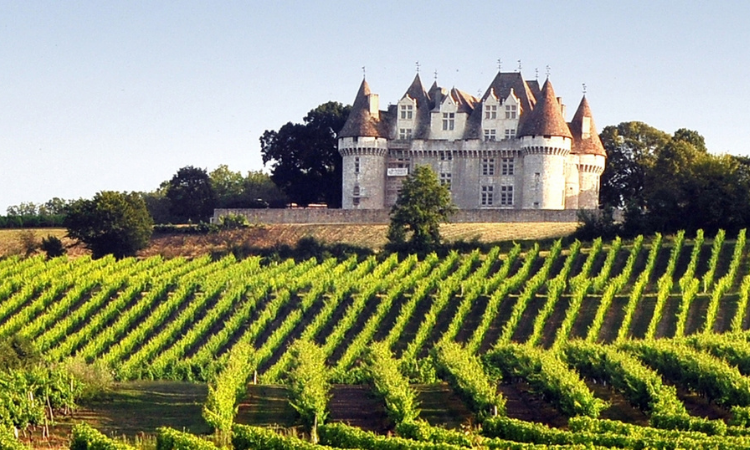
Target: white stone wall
(590,168)
(544,171)
(572,189)
(363,172)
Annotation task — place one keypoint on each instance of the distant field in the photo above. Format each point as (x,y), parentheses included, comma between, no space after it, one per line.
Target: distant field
(371,236)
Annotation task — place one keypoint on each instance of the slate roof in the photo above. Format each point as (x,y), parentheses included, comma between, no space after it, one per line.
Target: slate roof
(591,145)
(360,122)
(416,92)
(546,119)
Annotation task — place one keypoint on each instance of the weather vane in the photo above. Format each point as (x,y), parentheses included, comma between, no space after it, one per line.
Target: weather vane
(584,88)
(547,71)
(435,75)
(536,73)
(417,66)
(519,65)
(499,64)
(364,72)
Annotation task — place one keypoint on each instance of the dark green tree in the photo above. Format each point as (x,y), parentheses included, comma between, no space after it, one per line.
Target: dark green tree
(420,208)
(304,158)
(631,149)
(111,223)
(191,195)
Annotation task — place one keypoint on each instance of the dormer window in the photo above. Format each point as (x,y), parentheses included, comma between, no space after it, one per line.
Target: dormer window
(511,111)
(407,112)
(449,121)
(490,135)
(510,133)
(490,111)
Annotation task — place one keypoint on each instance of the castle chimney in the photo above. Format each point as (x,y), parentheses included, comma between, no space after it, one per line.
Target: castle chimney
(374,100)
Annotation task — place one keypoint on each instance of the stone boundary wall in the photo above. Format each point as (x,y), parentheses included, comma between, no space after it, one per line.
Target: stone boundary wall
(380,216)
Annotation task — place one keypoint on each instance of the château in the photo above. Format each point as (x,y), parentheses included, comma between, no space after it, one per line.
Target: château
(509,149)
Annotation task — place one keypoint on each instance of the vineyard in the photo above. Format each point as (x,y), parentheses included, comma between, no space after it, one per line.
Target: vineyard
(656,324)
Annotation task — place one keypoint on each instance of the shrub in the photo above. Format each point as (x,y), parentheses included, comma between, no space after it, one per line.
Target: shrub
(53,246)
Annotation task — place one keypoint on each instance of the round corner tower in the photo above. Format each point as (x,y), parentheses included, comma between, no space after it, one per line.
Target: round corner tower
(363,148)
(588,157)
(545,146)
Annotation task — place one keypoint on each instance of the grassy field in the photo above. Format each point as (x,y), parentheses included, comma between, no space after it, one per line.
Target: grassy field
(268,236)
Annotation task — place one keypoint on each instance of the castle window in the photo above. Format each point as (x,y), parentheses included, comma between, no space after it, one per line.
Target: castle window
(407,112)
(511,111)
(404,133)
(355,191)
(449,121)
(355,201)
(487,195)
(490,112)
(506,195)
(446,156)
(488,166)
(490,135)
(507,166)
(445,180)
(510,133)
(356,164)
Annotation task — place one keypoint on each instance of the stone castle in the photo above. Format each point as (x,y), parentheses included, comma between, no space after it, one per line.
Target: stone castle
(510,149)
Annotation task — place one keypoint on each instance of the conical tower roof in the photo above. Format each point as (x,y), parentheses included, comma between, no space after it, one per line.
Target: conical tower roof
(546,118)
(585,141)
(360,122)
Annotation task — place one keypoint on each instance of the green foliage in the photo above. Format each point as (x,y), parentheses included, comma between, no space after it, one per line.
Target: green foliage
(18,352)
(8,440)
(171,439)
(401,401)
(111,223)
(228,387)
(191,195)
(304,158)
(465,374)
(308,384)
(250,438)
(420,208)
(85,437)
(548,375)
(339,435)
(233,222)
(53,246)
(597,224)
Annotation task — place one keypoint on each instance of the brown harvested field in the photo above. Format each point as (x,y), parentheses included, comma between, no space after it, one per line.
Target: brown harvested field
(370,236)
(11,240)
(268,236)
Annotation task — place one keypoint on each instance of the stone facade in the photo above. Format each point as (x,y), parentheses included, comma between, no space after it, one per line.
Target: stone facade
(510,149)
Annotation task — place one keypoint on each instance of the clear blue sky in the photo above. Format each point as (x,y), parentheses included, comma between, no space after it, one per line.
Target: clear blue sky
(118,95)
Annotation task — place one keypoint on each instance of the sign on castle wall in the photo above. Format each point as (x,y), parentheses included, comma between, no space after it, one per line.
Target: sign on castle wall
(398,171)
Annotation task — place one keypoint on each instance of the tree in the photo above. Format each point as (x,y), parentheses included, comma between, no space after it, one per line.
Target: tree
(304,158)
(111,223)
(415,218)
(191,195)
(631,148)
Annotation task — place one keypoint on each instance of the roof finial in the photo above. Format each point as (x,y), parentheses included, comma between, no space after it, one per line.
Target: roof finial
(536,74)
(584,88)
(499,64)
(435,75)
(547,71)
(364,73)
(519,65)
(417,66)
